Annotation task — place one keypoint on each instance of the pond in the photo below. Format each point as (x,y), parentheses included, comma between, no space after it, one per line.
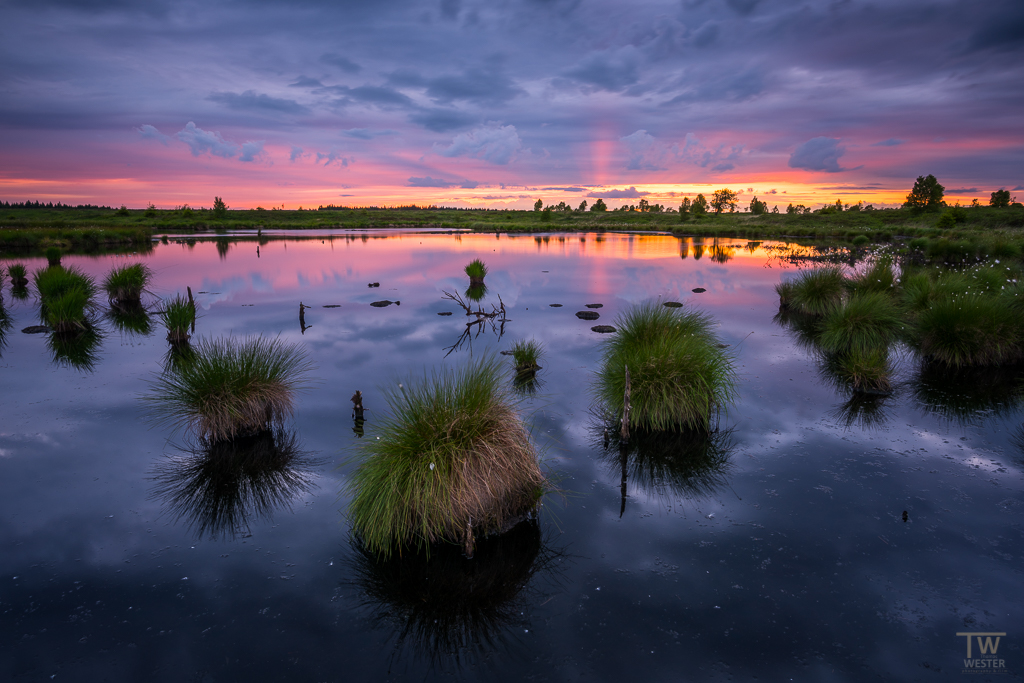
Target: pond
(816,537)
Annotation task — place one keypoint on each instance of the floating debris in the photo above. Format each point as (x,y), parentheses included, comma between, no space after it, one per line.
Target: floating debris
(588,315)
(555,305)
(595,305)
(444,312)
(373,284)
(672,304)
(382,304)
(603,329)
(36,329)
(332,305)
(698,290)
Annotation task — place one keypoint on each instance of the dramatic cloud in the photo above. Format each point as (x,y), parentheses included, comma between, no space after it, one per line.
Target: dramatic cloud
(631,193)
(200,141)
(644,152)
(493,143)
(818,154)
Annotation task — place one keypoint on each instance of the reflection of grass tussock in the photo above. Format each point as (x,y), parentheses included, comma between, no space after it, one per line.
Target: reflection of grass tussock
(476,292)
(230,388)
(453,458)
(679,376)
(448,607)
(688,464)
(78,351)
(125,284)
(964,395)
(5,326)
(132,319)
(219,488)
(867,371)
(866,411)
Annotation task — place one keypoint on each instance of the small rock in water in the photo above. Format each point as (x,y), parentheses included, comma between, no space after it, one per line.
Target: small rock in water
(595,305)
(382,304)
(332,306)
(588,315)
(603,329)
(555,305)
(36,329)
(373,284)
(444,312)
(672,304)
(699,290)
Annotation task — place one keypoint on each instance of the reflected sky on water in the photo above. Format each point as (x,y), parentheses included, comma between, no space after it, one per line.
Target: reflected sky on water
(795,563)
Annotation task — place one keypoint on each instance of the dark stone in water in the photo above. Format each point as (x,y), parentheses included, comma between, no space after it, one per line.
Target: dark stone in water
(444,312)
(588,315)
(595,305)
(373,284)
(36,329)
(699,290)
(332,306)
(555,305)
(603,329)
(382,304)
(672,304)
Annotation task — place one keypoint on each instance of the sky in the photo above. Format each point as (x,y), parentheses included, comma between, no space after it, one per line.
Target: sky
(500,103)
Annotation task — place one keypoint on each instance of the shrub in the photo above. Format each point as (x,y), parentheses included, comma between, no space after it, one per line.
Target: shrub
(452,459)
(867,321)
(818,291)
(179,316)
(476,270)
(230,388)
(125,284)
(971,330)
(860,240)
(679,376)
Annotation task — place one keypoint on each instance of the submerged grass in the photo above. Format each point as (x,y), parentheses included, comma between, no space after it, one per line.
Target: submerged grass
(453,458)
(125,284)
(818,291)
(230,388)
(679,375)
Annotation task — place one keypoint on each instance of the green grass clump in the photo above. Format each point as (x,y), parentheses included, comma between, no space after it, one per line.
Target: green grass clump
(230,388)
(65,296)
(785,290)
(178,315)
(864,322)
(452,459)
(878,278)
(476,270)
(679,377)
(125,284)
(53,256)
(971,330)
(19,275)
(817,291)
(918,292)
(526,354)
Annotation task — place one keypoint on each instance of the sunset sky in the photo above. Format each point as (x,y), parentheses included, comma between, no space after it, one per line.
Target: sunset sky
(496,104)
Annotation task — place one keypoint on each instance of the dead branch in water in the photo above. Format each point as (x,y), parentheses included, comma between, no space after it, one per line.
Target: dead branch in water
(496,318)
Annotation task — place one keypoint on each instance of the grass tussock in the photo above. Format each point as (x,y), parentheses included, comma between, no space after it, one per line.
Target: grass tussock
(880,277)
(229,388)
(125,284)
(785,290)
(178,316)
(452,459)
(526,354)
(866,321)
(477,271)
(971,330)
(679,375)
(65,296)
(818,291)
(18,274)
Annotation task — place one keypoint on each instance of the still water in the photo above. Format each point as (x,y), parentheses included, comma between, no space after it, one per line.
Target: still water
(783,555)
